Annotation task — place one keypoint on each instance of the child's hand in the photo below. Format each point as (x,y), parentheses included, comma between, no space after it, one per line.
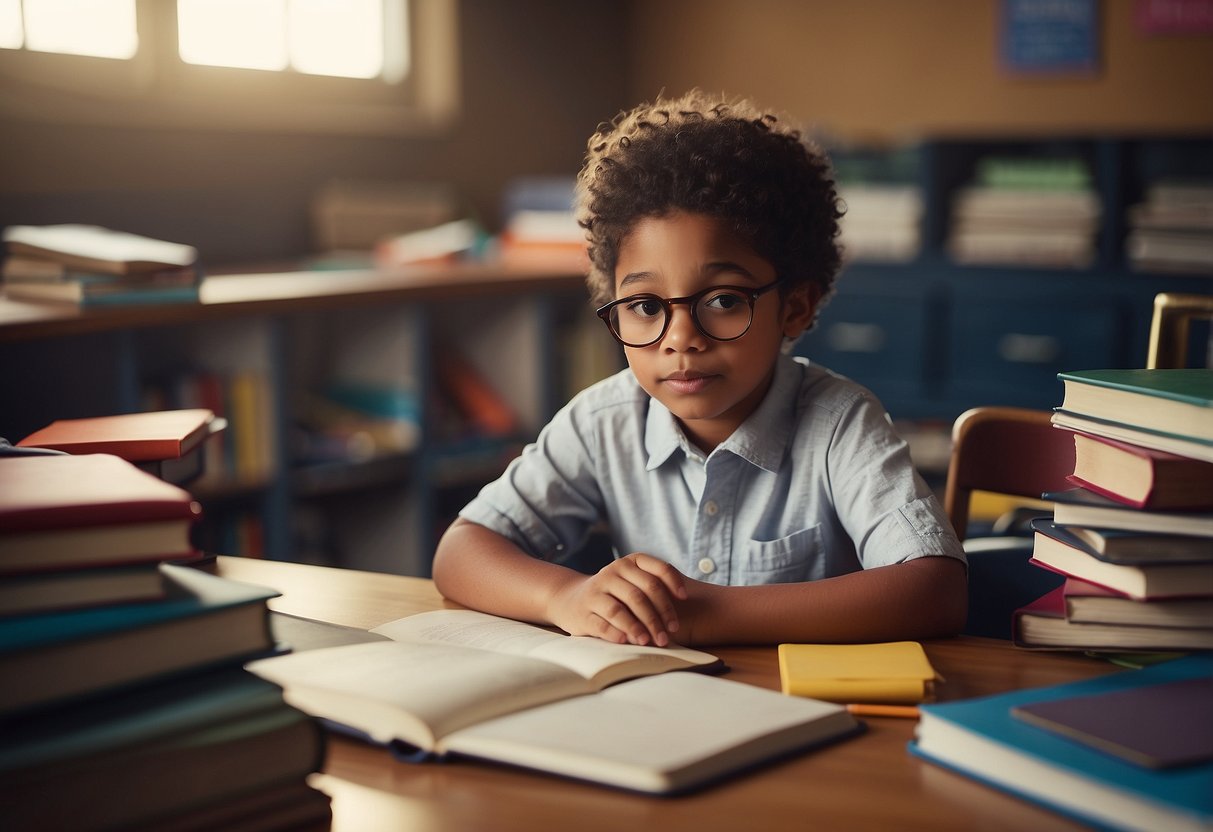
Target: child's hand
(629,600)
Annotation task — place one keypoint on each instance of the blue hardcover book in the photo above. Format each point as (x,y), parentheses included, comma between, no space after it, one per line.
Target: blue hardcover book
(981,738)
(203,620)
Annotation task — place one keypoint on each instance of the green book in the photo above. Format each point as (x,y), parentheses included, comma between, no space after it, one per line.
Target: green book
(1172,401)
(203,621)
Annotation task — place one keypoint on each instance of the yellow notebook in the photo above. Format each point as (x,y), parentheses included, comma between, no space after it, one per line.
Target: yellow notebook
(895,672)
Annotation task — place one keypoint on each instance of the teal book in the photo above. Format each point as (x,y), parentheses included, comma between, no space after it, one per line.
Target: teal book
(203,620)
(982,738)
(154,754)
(1170,401)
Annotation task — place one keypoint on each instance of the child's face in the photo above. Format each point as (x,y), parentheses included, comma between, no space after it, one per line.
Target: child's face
(710,386)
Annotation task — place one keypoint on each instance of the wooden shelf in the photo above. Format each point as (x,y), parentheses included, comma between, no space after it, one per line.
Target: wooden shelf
(230,295)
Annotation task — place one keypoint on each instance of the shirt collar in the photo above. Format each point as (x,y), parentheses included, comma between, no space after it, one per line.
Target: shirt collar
(761,440)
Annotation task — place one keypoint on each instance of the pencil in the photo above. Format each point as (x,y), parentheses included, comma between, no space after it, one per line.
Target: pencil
(903,711)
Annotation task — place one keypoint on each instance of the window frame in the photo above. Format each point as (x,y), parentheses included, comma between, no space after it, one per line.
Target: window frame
(157,89)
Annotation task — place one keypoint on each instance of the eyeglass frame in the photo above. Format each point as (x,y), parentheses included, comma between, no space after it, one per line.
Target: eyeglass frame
(667,304)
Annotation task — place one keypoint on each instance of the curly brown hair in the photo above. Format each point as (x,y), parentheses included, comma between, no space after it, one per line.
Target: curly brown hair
(718,157)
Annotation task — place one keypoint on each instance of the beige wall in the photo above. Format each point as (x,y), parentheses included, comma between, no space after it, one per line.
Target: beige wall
(864,69)
(537,78)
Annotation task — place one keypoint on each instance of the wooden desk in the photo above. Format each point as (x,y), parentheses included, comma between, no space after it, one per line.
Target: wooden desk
(867,783)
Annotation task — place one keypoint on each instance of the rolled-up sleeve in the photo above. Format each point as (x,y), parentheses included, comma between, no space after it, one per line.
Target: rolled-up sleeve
(887,509)
(548,498)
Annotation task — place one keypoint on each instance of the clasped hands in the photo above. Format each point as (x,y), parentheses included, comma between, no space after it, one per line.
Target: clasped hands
(631,600)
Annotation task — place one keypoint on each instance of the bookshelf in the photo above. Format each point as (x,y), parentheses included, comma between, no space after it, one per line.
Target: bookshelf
(285,336)
(933,337)
(928,335)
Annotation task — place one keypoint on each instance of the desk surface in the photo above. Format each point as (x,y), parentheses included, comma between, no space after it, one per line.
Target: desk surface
(867,783)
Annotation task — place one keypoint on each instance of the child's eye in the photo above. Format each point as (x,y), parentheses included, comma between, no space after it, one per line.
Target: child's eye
(645,307)
(723,301)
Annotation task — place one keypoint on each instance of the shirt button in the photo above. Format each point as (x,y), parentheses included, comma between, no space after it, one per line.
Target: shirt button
(706,566)
(711,508)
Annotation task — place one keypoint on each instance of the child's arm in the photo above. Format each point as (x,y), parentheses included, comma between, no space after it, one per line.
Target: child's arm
(629,600)
(922,598)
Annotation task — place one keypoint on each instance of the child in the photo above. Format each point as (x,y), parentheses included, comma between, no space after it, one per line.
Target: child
(751,497)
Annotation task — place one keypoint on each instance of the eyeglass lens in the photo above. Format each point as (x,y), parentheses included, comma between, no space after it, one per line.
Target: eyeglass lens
(723,314)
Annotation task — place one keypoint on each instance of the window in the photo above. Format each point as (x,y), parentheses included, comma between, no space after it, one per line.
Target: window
(366,66)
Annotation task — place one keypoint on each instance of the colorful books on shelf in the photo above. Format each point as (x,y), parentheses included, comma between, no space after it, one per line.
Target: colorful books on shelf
(473,396)
(1026,212)
(990,739)
(1171,230)
(539,227)
(90,247)
(356,422)
(448,242)
(246,451)
(464,683)
(897,672)
(882,223)
(92,266)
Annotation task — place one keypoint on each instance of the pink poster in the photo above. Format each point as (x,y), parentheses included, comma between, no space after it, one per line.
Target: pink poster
(1173,17)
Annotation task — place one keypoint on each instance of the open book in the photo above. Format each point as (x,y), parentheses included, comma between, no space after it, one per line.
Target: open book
(462,682)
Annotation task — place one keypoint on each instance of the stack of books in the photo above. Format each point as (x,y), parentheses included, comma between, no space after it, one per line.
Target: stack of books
(539,227)
(125,701)
(1171,230)
(167,443)
(1130,750)
(882,223)
(884,204)
(1134,536)
(1026,212)
(94,267)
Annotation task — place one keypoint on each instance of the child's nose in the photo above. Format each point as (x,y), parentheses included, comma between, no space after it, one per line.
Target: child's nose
(682,334)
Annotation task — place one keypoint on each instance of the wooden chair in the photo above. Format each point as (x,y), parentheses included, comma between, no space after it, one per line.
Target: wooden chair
(1013,451)
(1168,347)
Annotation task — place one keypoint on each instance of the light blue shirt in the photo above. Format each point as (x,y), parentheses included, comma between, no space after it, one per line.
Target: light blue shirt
(815,483)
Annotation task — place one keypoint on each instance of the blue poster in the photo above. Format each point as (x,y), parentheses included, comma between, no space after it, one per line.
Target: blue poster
(1050,36)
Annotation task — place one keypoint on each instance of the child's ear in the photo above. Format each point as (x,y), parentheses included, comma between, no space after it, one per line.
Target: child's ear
(798,308)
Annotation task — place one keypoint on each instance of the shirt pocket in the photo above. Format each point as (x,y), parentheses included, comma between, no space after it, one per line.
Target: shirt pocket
(786,560)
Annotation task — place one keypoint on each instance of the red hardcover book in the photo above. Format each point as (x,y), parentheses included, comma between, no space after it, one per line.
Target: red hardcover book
(1142,477)
(1043,625)
(138,437)
(473,395)
(1088,603)
(65,511)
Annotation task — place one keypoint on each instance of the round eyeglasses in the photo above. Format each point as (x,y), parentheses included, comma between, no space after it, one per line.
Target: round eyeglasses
(722,313)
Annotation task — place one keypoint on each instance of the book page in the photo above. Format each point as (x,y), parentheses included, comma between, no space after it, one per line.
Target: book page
(589,657)
(413,692)
(658,734)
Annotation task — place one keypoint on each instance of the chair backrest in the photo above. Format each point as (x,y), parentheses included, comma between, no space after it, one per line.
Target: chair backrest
(1169,328)
(1004,450)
